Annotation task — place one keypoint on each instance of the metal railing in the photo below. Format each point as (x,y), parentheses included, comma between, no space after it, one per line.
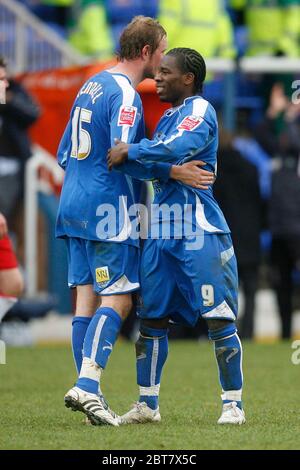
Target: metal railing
(33,185)
(254,65)
(30,45)
(269,65)
(247,65)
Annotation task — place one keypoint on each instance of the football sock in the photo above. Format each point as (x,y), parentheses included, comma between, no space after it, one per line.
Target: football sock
(79,327)
(228,351)
(100,338)
(151,354)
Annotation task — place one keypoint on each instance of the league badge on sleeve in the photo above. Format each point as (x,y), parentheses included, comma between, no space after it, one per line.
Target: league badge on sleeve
(127,116)
(190,123)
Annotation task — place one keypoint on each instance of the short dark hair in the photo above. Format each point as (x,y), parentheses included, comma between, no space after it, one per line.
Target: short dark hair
(3,62)
(141,31)
(189,60)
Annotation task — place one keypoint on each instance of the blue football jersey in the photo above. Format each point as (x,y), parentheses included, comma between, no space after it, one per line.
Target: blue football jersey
(187,132)
(106,107)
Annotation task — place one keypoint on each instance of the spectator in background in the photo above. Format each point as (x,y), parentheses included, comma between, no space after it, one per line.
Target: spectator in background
(273,26)
(16,115)
(11,282)
(16,311)
(237,191)
(279,134)
(17,112)
(199,24)
(92,34)
(245,142)
(59,11)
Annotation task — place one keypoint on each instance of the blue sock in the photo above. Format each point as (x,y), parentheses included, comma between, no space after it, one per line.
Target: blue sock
(151,354)
(79,327)
(100,338)
(228,351)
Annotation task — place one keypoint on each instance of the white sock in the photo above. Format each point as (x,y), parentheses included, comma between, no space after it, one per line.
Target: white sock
(5,304)
(90,370)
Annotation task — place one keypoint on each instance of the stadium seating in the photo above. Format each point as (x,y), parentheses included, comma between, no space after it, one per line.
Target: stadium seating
(120,13)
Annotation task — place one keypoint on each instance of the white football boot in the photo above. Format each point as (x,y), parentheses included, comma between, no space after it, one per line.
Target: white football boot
(232,414)
(87,420)
(95,408)
(139,414)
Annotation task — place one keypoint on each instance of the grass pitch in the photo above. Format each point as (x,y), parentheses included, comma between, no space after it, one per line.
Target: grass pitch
(34,380)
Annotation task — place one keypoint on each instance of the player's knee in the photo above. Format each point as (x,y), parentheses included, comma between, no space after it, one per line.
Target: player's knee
(216,324)
(122,304)
(14,285)
(150,329)
(219,329)
(161,323)
(140,346)
(87,300)
(18,286)
(126,308)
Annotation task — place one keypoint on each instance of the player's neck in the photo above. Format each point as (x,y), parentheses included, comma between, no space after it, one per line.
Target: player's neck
(132,69)
(180,100)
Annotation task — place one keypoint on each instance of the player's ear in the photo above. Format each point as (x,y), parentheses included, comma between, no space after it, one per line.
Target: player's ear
(146,51)
(188,78)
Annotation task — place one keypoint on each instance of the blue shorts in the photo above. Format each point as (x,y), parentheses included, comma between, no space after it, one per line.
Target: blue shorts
(111,267)
(184,284)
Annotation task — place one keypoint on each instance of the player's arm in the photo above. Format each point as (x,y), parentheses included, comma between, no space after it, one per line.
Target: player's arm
(146,171)
(188,140)
(126,121)
(182,144)
(189,173)
(64,147)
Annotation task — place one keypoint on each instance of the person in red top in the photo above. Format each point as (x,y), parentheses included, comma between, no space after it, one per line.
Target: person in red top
(11,280)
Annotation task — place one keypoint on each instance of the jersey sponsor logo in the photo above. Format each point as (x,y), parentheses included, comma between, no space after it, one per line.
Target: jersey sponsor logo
(190,123)
(102,274)
(127,116)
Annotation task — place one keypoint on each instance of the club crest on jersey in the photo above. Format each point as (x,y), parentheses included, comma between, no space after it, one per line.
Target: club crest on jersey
(127,116)
(102,275)
(190,123)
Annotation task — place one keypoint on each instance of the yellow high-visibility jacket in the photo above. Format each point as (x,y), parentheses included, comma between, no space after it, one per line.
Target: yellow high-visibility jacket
(92,35)
(203,25)
(274,26)
(59,3)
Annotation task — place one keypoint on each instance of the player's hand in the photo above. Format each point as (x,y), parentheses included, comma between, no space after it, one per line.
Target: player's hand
(117,155)
(192,174)
(3,226)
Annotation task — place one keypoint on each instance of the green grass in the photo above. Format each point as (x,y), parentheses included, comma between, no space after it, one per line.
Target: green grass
(33,416)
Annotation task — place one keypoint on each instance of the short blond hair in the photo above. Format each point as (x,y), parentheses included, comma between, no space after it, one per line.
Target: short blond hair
(141,31)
